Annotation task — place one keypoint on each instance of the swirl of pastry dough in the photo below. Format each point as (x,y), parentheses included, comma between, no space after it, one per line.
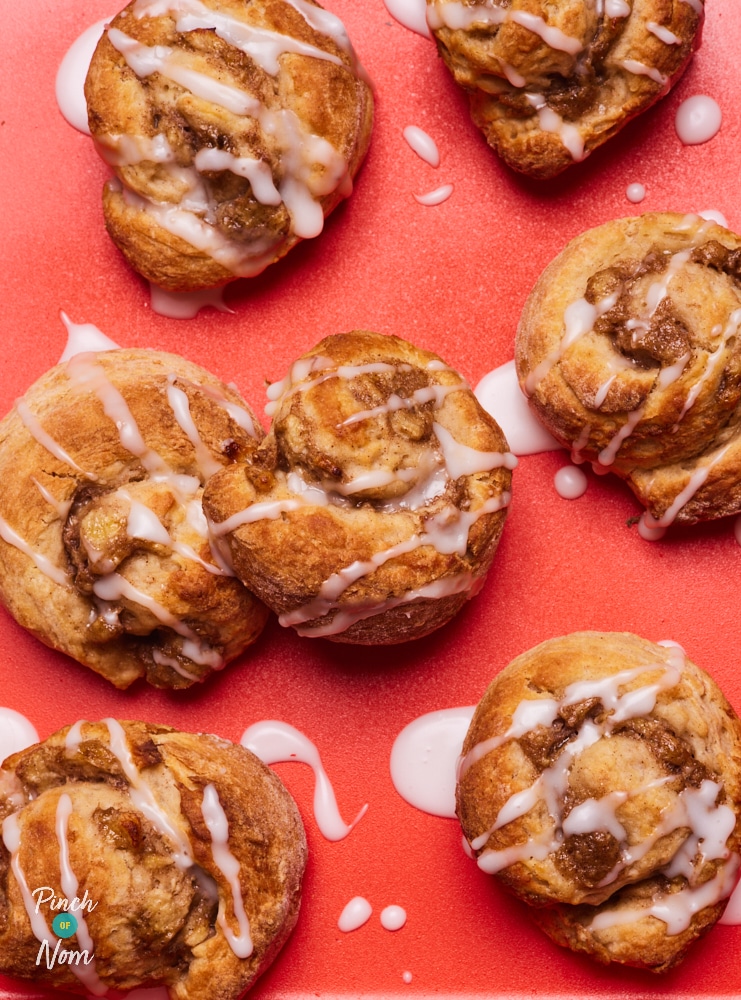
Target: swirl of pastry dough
(629,350)
(548,83)
(600,780)
(372,509)
(233,126)
(104,548)
(178,857)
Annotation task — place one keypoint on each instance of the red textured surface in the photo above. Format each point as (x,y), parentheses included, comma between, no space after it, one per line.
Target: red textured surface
(453,279)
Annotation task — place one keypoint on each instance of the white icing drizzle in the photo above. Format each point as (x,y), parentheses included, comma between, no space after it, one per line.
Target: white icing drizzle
(74,738)
(427,394)
(11,832)
(550,121)
(460,460)
(62,507)
(354,914)
(70,80)
(696,5)
(695,481)
(436,197)
(663,34)
(422,144)
(274,742)
(500,395)
(641,69)
(180,407)
(42,562)
(424,756)
(33,426)
(218,826)
(82,337)
(68,880)
(257,172)
(613,8)
(260,44)
(16,732)
(455,15)
(515,78)
(268,509)
(124,150)
(143,797)
(411,14)
(393,918)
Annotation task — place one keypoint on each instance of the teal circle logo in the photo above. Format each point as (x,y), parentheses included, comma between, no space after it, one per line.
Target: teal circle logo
(64,925)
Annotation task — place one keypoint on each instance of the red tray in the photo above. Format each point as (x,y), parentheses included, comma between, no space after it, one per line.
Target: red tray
(451,278)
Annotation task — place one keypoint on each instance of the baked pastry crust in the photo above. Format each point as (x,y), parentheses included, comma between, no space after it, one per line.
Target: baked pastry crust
(628,349)
(548,83)
(372,509)
(144,819)
(600,780)
(233,126)
(104,552)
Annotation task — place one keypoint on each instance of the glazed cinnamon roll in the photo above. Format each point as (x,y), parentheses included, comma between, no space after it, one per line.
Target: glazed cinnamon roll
(233,126)
(548,83)
(600,780)
(104,549)
(372,509)
(133,855)
(628,349)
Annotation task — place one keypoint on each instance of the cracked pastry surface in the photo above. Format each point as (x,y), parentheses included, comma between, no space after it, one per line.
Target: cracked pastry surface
(628,350)
(372,509)
(233,126)
(186,851)
(600,780)
(104,550)
(548,83)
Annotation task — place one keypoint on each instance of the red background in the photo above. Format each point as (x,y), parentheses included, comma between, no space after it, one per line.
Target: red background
(453,279)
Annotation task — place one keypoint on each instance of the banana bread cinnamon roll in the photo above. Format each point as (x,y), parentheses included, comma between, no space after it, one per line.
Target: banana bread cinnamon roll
(600,780)
(104,549)
(372,509)
(629,350)
(233,126)
(133,855)
(548,83)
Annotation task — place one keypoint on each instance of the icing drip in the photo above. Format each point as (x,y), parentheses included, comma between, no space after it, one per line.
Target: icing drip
(86,974)
(640,69)
(180,407)
(218,826)
(551,121)
(31,423)
(42,563)
(454,15)
(274,742)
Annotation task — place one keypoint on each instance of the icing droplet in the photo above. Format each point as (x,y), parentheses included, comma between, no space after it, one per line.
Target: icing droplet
(570,482)
(16,733)
(355,914)
(423,145)
(436,197)
(411,14)
(698,120)
(423,760)
(393,918)
(635,193)
(186,305)
(650,532)
(407,977)
(70,81)
(502,398)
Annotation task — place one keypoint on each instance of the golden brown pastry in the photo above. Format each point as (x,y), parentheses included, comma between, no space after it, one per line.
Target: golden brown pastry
(234,127)
(600,781)
(104,549)
(628,348)
(372,509)
(549,82)
(180,858)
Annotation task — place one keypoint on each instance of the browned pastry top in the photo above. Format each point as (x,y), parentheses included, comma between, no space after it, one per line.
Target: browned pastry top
(628,348)
(373,507)
(601,781)
(549,82)
(234,127)
(186,852)
(104,550)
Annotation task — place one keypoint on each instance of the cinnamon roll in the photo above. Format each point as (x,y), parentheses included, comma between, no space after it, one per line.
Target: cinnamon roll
(233,126)
(133,855)
(372,509)
(548,83)
(104,549)
(600,780)
(628,349)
